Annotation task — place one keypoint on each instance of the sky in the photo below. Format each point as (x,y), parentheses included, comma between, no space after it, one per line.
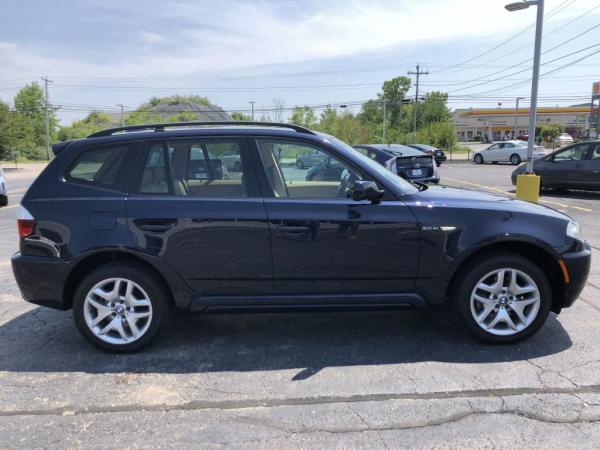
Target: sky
(99,54)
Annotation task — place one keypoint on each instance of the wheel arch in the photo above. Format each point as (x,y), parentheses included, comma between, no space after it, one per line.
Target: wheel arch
(175,289)
(540,256)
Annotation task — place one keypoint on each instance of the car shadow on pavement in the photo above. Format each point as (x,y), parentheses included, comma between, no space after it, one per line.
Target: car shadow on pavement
(43,340)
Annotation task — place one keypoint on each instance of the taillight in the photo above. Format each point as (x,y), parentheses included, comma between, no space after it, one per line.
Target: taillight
(25,222)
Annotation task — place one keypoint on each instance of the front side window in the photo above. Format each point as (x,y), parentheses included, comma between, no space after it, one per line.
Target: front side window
(98,166)
(574,153)
(291,175)
(197,168)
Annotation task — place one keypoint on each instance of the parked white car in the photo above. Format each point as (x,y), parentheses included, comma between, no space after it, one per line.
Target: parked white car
(3,189)
(508,151)
(563,138)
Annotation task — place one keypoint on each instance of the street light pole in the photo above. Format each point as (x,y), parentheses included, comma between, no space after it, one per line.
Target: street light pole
(534,84)
(536,71)
(517,117)
(252,103)
(122,114)
(384,119)
(47,117)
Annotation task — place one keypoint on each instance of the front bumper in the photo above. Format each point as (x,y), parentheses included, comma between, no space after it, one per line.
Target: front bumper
(578,267)
(41,279)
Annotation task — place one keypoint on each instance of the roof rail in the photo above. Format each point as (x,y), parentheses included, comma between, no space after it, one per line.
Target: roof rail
(161,127)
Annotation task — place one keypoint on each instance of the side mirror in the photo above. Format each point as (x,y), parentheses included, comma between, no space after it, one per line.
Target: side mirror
(366,190)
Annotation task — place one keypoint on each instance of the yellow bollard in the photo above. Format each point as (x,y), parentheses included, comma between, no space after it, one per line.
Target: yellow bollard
(528,187)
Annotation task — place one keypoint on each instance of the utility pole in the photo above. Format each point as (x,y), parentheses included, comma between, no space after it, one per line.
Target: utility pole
(515,131)
(122,114)
(384,118)
(46,81)
(252,103)
(418,73)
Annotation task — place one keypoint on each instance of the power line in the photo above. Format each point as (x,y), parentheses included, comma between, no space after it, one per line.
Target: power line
(514,36)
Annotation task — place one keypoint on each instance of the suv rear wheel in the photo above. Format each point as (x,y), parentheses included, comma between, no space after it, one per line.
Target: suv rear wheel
(119,307)
(503,298)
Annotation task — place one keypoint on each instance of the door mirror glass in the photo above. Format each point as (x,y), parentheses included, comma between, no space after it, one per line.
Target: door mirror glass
(366,190)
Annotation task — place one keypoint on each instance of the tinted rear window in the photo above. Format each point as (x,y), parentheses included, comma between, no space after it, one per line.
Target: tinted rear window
(98,166)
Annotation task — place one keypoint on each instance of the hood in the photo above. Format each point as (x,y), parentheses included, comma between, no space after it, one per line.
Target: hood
(468,198)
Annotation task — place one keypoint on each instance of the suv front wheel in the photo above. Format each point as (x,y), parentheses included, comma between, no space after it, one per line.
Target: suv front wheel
(119,307)
(503,298)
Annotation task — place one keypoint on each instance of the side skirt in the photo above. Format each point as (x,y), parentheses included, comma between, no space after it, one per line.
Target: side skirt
(294,303)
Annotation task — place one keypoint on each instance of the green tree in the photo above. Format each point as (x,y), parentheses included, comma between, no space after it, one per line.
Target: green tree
(394,92)
(241,117)
(304,116)
(328,119)
(548,131)
(29,105)
(95,121)
(433,109)
(350,129)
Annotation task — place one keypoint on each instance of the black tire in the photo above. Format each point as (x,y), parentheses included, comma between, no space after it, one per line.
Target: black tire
(478,159)
(515,159)
(299,164)
(478,268)
(237,167)
(137,273)
(3,200)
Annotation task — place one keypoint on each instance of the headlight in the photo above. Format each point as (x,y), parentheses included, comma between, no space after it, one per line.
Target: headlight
(574,231)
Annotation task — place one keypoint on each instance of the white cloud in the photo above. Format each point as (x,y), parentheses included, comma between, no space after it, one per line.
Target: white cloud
(7,45)
(152,38)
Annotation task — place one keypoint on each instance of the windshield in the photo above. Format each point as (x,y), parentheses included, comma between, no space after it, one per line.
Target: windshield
(381,171)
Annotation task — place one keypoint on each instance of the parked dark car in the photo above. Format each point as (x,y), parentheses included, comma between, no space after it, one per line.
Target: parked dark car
(407,162)
(573,167)
(310,159)
(439,154)
(119,229)
(328,170)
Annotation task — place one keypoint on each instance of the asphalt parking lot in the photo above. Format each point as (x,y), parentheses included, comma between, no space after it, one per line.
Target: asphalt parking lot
(337,380)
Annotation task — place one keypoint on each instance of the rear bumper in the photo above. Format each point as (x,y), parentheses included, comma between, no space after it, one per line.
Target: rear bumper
(578,266)
(41,279)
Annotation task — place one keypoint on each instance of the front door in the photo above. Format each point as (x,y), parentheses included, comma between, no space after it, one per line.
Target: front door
(322,241)
(205,220)
(565,168)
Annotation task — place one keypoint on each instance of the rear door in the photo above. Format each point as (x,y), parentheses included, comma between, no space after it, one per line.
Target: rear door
(591,175)
(206,221)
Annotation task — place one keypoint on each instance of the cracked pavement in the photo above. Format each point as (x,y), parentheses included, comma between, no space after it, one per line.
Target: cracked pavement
(338,380)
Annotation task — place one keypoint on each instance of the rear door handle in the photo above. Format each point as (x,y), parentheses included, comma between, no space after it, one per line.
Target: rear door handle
(155,227)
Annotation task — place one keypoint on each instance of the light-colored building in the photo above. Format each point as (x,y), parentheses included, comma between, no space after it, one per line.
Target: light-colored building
(499,123)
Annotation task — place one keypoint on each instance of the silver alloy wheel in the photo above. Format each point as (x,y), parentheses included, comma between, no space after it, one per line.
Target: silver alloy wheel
(505,301)
(117,311)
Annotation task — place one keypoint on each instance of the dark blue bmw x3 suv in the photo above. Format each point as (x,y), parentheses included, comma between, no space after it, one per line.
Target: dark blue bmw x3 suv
(217,217)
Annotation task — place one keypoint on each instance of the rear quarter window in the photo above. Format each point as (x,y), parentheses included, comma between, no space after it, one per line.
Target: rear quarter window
(98,166)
